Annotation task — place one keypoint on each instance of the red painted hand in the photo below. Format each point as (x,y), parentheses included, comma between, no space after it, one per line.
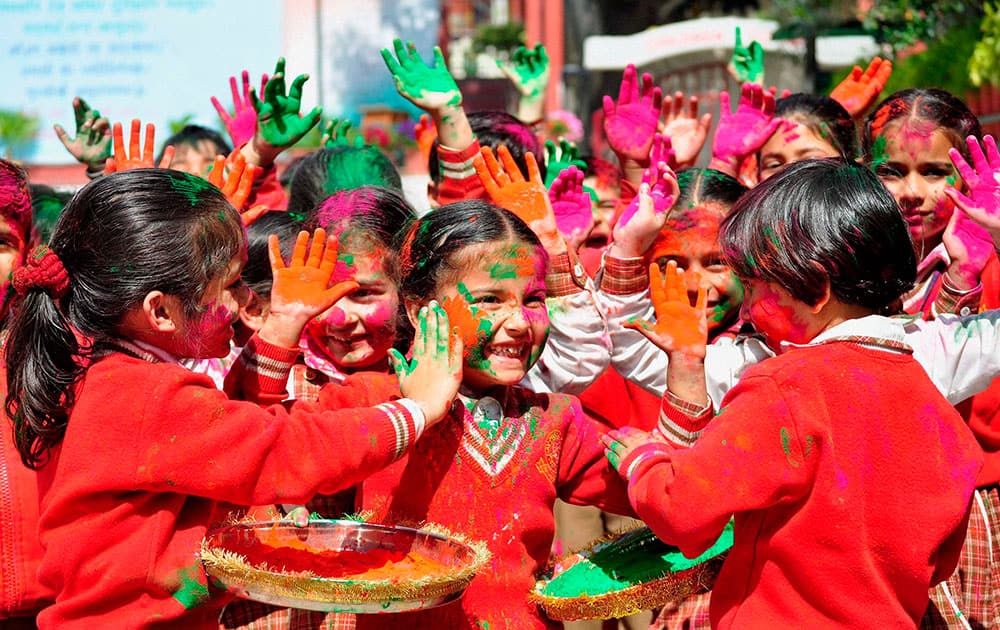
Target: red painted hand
(120,161)
(679,327)
(859,90)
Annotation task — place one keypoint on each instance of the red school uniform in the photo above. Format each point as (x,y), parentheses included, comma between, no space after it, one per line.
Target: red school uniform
(494,481)
(850,479)
(154,454)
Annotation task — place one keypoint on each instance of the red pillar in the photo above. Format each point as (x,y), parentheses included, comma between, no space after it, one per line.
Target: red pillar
(543,22)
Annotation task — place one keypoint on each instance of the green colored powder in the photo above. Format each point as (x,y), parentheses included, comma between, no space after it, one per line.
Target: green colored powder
(192,592)
(879,154)
(190,186)
(615,566)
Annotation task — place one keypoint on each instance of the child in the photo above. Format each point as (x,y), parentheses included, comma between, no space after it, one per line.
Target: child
(911,141)
(494,469)
(21,595)
(810,448)
(331,170)
(144,268)
(814,127)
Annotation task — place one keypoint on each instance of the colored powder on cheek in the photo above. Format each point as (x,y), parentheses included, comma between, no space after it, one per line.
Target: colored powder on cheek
(337,317)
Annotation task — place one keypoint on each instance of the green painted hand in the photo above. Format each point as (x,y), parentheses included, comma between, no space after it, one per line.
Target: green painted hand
(429,88)
(558,159)
(338,134)
(748,62)
(92,144)
(278,121)
(528,70)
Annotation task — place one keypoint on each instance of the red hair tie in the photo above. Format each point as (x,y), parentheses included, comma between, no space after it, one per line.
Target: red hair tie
(43,270)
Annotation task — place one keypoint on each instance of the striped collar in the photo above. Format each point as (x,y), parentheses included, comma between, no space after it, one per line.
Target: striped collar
(138,350)
(873,331)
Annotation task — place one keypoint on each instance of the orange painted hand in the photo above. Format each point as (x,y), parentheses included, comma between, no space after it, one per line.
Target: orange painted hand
(679,327)
(120,161)
(434,372)
(527,198)
(859,90)
(235,184)
(425,134)
(300,291)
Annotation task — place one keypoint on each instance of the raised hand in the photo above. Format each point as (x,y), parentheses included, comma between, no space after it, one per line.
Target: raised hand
(242,124)
(974,240)
(300,291)
(744,132)
(434,372)
(92,144)
(630,123)
(747,63)
(679,327)
(528,70)
(643,219)
(687,132)
(859,90)
(560,157)
(236,184)
(135,158)
(527,198)
(279,124)
(425,134)
(429,88)
(336,135)
(572,207)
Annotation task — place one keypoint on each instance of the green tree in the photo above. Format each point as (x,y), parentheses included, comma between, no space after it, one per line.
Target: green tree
(17,130)
(984,66)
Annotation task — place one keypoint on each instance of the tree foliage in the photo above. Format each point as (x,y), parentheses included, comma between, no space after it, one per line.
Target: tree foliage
(17,130)
(984,66)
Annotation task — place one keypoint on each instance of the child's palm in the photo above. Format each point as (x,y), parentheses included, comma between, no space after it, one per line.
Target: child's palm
(679,327)
(432,376)
(278,119)
(982,204)
(300,289)
(429,88)
(630,123)
(508,188)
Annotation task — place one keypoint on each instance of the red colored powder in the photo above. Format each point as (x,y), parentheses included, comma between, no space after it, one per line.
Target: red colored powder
(289,554)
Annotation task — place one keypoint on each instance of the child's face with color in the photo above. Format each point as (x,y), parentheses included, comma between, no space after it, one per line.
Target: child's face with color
(915,167)
(792,142)
(359,329)
(497,302)
(776,314)
(12,247)
(210,332)
(692,241)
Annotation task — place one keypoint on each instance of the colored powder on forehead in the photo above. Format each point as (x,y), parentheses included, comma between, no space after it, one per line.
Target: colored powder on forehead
(191,187)
(515,262)
(879,154)
(634,558)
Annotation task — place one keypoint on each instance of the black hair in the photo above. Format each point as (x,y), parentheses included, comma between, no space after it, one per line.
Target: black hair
(257,272)
(46,205)
(702,185)
(946,111)
(120,237)
(193,135)
(820,221)
(495,128)
(379,215)
(331,170)
(431,248)
(823,116)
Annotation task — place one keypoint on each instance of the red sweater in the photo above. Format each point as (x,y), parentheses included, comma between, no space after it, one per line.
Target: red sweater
(850,478)
(152,456)
(495,484)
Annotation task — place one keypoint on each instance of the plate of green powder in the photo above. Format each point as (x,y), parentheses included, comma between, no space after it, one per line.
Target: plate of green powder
(626,574)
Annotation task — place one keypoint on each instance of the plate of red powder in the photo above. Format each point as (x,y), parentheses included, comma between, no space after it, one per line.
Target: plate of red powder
(342,566)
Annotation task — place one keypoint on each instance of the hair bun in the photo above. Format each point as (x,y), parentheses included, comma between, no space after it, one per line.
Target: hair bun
(43,270)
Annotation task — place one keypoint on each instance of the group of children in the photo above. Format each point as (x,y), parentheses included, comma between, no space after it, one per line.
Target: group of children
(191,346)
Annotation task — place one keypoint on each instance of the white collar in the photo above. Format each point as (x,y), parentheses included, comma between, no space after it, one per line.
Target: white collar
(874,327)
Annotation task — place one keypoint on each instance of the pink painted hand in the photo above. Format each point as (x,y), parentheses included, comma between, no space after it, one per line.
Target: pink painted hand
(572,207)
(859,90)
(433,373)
(643,219)
(687,132)
(743,132)
(679,327)
(981,204)
(135,158)
(527,198)
(242,124)
(630,123)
